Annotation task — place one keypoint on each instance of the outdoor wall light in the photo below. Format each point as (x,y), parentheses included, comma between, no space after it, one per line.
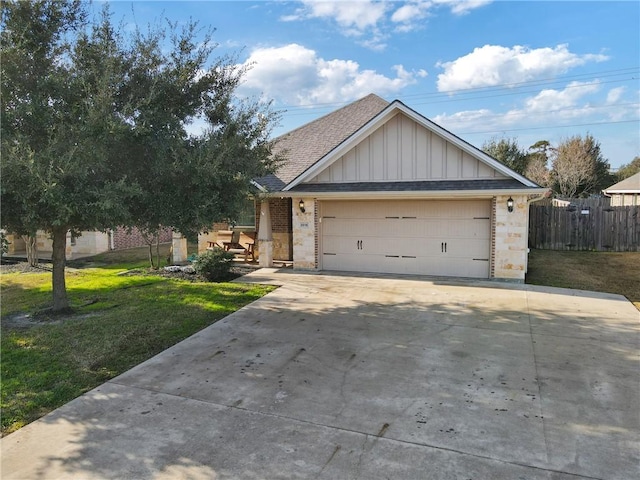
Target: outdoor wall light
(301,205)
(510,204)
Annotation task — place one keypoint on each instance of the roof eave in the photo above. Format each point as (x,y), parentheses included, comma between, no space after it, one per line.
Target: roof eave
(418,194)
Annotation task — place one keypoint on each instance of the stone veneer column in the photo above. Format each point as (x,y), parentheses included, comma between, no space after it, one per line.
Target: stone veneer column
(304,234)
(265,236)
(511,242)
(178,248)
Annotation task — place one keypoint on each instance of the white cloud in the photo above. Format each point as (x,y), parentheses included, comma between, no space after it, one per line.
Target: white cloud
(295,75)
(355,15)
(462,7)
(615,94)
(492,65)
(372,20)
(408,17)
(547,107)
(549,99)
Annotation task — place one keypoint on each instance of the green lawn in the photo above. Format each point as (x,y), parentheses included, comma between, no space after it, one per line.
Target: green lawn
(118,322)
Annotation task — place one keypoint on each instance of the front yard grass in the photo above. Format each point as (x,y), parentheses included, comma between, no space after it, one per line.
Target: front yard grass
(118,322)
(611,272)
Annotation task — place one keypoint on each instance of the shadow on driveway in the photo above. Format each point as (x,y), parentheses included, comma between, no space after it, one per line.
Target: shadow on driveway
(336,376)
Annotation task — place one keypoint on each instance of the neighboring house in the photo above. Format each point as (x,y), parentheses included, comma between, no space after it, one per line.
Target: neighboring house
(87,243)
(625,193)
(377,187)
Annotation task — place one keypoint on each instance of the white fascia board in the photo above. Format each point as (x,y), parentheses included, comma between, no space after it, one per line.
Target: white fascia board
(439,194)
(259,187)
(395,107)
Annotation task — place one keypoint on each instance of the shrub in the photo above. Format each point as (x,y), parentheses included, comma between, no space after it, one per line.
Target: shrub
(4,243)
(214,265)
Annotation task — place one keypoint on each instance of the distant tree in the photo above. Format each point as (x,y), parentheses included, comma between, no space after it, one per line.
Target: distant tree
(507,152)
(93,128)
(631,168)
(578,167)
(538,163)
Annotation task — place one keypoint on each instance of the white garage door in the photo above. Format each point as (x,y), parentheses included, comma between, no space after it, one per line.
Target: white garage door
(449,238)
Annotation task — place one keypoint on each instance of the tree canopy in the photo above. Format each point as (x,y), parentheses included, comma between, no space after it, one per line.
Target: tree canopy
(94,127)
(573,168)
(578,167)
(628,169)
(507,152)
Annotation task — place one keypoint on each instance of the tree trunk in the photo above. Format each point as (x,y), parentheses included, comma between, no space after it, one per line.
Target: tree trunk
(151,264)
(31,242)
(158,249)
(59,258)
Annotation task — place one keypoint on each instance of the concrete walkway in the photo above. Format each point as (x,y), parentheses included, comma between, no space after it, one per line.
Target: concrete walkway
(345,377)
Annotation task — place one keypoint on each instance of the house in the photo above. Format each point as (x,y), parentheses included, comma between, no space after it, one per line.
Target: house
(377,187)
(625,193)
(86,244)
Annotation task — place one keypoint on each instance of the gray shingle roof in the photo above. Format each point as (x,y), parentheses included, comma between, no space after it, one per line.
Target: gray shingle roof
(628,185)
(412,186)
(305,145)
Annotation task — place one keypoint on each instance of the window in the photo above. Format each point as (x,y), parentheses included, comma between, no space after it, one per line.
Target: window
(247,215)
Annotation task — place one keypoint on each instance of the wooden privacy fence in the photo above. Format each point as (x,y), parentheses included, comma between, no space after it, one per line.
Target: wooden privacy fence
(583,227)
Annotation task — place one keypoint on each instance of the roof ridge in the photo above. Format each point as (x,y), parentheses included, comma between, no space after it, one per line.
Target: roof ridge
(626,183)
(333,112)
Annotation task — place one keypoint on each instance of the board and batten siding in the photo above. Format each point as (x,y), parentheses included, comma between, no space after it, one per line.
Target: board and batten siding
(401,150)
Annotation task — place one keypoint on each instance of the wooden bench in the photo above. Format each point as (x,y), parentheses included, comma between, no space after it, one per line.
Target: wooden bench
(233,241)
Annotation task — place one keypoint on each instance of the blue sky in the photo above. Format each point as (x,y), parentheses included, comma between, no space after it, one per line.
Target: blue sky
(482,69)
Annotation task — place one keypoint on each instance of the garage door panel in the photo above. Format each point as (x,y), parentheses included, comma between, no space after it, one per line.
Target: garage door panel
(444,238)
(353,227)
(480,229)
(465,248)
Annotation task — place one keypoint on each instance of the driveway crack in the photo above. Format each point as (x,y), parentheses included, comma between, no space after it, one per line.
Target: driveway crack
(535,365)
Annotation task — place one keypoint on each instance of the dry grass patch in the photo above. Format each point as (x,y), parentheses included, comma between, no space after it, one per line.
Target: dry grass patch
(611,272)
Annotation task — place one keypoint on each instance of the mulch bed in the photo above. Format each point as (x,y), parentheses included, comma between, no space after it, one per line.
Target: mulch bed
(24,267)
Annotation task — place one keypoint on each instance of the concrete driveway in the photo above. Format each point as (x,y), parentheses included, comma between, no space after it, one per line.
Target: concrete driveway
(345,377)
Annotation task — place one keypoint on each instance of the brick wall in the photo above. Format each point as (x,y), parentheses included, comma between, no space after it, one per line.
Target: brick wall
(280,210)
(123,239)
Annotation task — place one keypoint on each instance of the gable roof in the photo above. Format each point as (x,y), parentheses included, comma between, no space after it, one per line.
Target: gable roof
(311,148)
(307,144)
(628,185)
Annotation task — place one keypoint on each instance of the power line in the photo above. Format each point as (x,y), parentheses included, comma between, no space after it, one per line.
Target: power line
(531,83)
(520,92)
(479,97)
(486,89)
(547,127)
(558,110)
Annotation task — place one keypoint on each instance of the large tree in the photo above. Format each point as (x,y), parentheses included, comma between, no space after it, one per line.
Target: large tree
(538,163)
(58,124)
(508,152)
(578,167)
(93,128)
